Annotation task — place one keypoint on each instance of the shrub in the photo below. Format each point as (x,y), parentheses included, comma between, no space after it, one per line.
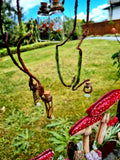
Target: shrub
(3,52)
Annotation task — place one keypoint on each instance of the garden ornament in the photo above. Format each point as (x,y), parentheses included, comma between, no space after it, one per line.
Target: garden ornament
(101,106)
(34,83)
(118,135)
(95,115)
(73,152)
(46,155)
(114,31)
(76,79)
(43,22)
(47,98)
(78,155)
(112,121)
(102,129)
(87,88)
(57,1)
(34,88)
(71,148)
(93,155)
(84,126)
(104,103)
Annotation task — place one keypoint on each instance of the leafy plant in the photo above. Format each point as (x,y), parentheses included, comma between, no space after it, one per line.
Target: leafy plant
(60,122)
(116,58)
(18,119)
(22,141)
(111,133)
(61,138)
(56,36)
(15,119)
(61,158)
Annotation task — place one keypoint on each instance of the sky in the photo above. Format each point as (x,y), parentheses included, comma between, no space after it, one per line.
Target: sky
(97,13)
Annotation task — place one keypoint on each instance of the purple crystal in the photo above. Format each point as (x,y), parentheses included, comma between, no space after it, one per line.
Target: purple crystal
(93,156)
(88,156)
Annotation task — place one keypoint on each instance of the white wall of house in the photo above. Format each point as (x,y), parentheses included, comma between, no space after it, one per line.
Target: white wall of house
(113,1)
(116,13)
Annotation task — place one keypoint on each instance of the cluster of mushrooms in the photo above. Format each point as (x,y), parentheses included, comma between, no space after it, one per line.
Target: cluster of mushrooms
(95,115)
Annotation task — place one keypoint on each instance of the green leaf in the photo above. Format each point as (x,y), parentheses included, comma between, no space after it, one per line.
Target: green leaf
(53,124)
(114,63)
(55,141)
(55,134)
(60,148)
(17,143)
(115,55)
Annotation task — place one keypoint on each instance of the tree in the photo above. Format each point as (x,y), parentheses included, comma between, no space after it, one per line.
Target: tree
(69,25)
(7,15)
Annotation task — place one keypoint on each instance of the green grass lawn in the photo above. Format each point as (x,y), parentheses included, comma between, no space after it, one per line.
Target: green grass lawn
(24,128)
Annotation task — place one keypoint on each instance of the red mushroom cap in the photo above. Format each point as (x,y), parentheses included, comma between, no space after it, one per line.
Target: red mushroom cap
(104,103)
(46,155)
(112,122)
(80,126)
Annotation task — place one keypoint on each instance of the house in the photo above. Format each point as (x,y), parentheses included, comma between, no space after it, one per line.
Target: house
(113,9)
(103,28)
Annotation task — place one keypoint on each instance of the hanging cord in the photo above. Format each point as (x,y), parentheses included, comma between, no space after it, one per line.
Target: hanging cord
(75,79)
(40,87)
(57,52)
(63,2)
(75,87)
(11,56)
(33,86)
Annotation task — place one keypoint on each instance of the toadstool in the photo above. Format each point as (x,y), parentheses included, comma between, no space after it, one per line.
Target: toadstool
(84,126)
(102,128)
(104,103)
(118,134)
(46,155)
(112,121)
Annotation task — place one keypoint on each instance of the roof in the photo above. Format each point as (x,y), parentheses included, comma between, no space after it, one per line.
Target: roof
(113,1)
(113,5)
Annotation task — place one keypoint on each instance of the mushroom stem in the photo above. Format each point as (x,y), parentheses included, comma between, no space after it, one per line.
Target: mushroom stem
(118,135)
(86,146)
(102,129)
(98,131)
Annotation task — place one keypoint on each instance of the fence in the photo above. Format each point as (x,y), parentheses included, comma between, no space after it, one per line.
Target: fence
(103,28)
